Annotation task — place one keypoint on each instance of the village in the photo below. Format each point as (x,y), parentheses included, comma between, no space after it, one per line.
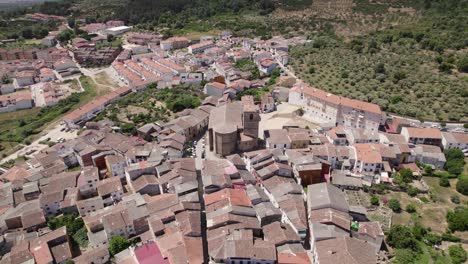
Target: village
(266,169)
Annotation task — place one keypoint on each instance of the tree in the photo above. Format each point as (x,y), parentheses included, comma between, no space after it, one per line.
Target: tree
(406,175)
(433,239)
(418,231)
(129,129)
(445,67)
(455,161)
(457,254)
(411,208)
(428,170)
(118,244)
(404,256)
(462,185)
(379,68)
(401,237)
(444,181)
(462,64)
(71,22)
(65,35)
(458,219)
(27,33)
(398,76)
(375,200)
(110,38)
(394,204)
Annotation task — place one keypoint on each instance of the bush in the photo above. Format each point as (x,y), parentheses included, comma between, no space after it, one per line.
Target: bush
(401,237)
(433,239)
(444,182)
(374,200)
(412,191)
(455,161)
(450,237)
(428,170)
(394,204)
(462,185)
(455,199)
(418,231)
(81,237)
(424,199)
(458,219)
(118,244)
(457,254)
(411,208)
(403,256)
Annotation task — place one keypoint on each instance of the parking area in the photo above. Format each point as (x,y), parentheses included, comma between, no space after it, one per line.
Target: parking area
(57,134)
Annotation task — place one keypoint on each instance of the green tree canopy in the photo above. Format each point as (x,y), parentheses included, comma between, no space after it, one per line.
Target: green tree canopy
(457,254)
(401,237)
(458,219)
(118,244)
(394,204)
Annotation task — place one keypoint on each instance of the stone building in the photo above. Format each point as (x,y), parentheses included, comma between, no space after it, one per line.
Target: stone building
(234,127)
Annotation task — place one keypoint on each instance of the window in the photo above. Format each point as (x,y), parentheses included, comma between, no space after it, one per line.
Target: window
(251,116)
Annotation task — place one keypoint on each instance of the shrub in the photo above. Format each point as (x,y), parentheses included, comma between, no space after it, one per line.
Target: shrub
(374,200)
(455,199)
(118,244)
(457,254)
(458,219)
(428,170)
(450,237)
(444,182)
(462,185)
(401,237)
(412,191)
(394,204)
(411,208)
(424,199)
(403,256)
(418,231)
(433,239)
(455,161)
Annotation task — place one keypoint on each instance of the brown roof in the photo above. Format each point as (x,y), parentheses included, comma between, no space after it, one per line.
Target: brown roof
(189,222)
(144,181)
(335,99)
(109,185)
(35,218)
(235,196)
(372,229)
(49,198)
(368,153)
(345,250)
(331,216)
(279,234)
(428,132)
(461,138)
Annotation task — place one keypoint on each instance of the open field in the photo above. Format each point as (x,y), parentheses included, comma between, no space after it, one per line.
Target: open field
(431,214)
(104,79)
(23,127)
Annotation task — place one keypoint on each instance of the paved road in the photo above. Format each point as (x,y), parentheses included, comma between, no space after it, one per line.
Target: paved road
(199,148)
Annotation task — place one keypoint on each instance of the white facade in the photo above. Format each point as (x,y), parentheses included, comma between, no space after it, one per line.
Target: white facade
(329,110)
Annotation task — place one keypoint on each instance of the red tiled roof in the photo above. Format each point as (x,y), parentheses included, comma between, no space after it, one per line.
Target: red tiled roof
(150,254)
(424,132)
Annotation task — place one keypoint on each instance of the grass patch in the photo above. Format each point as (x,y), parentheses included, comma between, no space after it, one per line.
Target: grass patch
(158,105)
(23,126)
